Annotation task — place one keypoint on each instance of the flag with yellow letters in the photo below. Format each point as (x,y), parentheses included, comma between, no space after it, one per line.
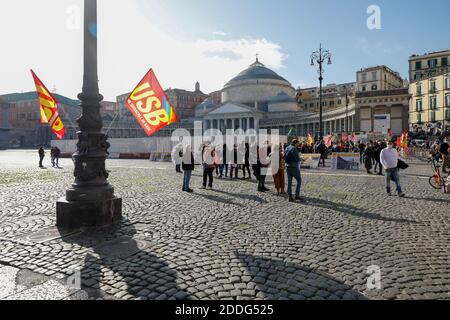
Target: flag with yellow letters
(150,106)
(48,106)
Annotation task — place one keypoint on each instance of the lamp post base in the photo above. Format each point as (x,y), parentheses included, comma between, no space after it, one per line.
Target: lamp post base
(71,215)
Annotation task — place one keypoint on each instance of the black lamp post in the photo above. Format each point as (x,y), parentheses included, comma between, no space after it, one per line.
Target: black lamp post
(90,202)
(346,111)
(320,57)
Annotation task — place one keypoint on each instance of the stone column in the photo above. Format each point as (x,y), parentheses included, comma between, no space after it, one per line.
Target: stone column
(90,202)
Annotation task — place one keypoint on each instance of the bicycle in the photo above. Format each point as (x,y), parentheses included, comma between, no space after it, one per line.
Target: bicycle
(437,181)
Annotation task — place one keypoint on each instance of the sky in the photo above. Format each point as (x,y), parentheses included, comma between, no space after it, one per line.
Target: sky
(211,41)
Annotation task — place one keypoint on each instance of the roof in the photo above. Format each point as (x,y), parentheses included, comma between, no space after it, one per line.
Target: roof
(207,104)
(257,71)
(282,97)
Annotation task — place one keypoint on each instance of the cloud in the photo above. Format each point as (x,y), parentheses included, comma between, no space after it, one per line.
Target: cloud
(129,45)
(219,33)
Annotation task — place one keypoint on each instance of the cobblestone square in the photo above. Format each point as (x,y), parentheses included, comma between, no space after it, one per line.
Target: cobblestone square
(226,243)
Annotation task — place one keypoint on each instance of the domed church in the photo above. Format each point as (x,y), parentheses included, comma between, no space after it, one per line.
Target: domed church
(254,95)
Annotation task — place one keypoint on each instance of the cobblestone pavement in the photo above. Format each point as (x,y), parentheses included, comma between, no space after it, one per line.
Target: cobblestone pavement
(227,243)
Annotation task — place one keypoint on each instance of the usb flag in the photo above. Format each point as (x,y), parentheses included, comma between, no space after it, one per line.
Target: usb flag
(149,105)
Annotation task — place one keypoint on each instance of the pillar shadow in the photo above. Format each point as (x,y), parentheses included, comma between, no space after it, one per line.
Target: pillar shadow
(217,199)
(120,261)
(243,196)
(277,279)
(353,211)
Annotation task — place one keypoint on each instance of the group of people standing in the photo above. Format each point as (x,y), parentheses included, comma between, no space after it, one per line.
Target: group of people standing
(274,159)
(55,154)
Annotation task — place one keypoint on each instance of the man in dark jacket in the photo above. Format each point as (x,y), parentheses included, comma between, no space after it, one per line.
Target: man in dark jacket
(292,159)
(41,156)
(322,149)
(188,166)
(57,154)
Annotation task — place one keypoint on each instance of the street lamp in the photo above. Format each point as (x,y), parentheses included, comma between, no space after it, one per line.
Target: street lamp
(90,202)
(346,110)
(320,57)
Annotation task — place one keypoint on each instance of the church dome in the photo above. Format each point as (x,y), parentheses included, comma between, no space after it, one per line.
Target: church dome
(257,71)
(282,97)
(207,104)
(256,84)
(204,107)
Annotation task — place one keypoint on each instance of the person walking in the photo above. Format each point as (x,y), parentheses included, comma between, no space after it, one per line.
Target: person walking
(188,166)
(389,159)
(246,165)
(234,165)
(52,156)
(41,156)
(263,163)
(57,154)
(278,166)
(361,148)
(323,150)
(224,164)
(292,159)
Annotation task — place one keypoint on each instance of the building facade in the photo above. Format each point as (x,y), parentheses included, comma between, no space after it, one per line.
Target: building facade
(430,92)
(333,97)
(382,111)
(379,78)
(184,102)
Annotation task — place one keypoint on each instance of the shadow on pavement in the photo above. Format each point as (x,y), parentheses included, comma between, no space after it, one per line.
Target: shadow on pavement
(277,279)
(217,199)
(351,210)
(243,196)
(124,264)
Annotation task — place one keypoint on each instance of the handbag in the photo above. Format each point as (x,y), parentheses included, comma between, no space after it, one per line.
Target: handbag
(402,165)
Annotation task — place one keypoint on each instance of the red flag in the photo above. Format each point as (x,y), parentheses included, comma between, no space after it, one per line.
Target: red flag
(48,106)
(353,137)
(150,106)
(329,141)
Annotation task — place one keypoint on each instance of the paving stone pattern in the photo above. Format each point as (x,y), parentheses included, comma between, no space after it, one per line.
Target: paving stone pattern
(228,243)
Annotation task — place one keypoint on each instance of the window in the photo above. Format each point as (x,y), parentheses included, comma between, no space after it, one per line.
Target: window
(433,116)
(447,114)
(363,88)
(418,65)
(433,86)
(419,105)
(433,102)
(447,82)
(374,76)
(364,77)
(339,102)
(432,63)
(444,62)
(419,118)
(331,103)
(419,89)
(374,87)
(447,100)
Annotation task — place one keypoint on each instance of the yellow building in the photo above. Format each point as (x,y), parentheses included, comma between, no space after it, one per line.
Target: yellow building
(333,97)
(379,78)
(430,91)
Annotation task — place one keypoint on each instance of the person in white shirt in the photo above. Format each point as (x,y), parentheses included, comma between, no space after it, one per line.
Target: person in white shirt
(389,159)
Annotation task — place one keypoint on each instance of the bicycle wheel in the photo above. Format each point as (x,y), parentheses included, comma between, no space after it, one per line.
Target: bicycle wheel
(435,182)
